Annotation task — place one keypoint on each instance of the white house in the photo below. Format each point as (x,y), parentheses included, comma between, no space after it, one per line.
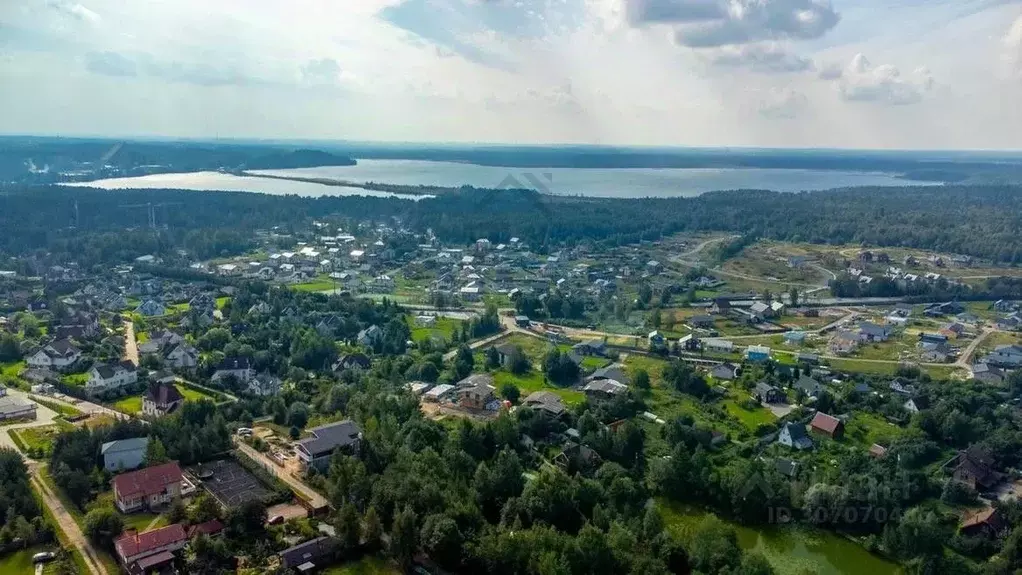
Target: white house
(59,354)
(264,385)
(183,356)
(370,335)
(107,376)
(794,435)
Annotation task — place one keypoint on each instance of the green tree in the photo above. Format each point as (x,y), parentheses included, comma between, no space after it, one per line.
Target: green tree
(442,539)
(10,349)
(373,529)
(155,453)
(298,415)
(348,526)
(641,379)
(102,525)
(510,392)
(404,536)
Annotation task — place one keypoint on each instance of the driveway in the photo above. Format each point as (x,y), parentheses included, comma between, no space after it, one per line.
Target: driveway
(130,345)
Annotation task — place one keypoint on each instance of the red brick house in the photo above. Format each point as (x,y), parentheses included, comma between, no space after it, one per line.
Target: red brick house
(144,552)
(827,425)
(149,488)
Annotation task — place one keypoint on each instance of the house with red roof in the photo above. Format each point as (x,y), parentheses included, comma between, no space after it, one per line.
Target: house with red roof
(149,488)
(145,552)
(827,425)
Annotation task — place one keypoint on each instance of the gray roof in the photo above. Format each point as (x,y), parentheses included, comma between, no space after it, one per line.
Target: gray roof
(608,386)
(134,444)
(545,400)
(329,437)
(797,431)
(614,371)
(10,404)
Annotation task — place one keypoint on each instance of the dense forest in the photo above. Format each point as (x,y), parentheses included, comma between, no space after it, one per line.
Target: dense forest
(982,221)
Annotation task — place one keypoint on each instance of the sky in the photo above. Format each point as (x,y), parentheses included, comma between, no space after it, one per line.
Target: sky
(903,74)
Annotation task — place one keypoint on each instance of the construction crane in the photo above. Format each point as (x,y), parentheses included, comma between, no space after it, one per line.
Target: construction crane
(151,210)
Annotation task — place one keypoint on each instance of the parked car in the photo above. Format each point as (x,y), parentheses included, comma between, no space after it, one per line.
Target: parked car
(44,557)
(276,520)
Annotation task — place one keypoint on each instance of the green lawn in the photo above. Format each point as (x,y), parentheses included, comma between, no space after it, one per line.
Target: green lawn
(20,562)
(41,438)
(364,566)
(533,381)
(321,283)
(865,429)
(12,369)
(133,404)
(750,418)
(443,328)
(75,379)
(141,521)
(130,405)
(59,407)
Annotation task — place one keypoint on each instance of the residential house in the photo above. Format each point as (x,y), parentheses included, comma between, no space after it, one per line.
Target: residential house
(795,337)
(844,342)
(987,374)
(604,389)
(1005,356)
(577,457)
(370,336)
(151,308)
(766,393)
(989,522)
(932,338)
(161,399)
(147,489)
(310,556)
(124,454)
(438,393)
(936,352)
(761,310)
(953,330)
(916,404)
(720,306)
(264,385)
(476,391)
(724,372)
(108,376)
(505,353)
(719,345)
(869,331)
(1012,322)
(807,358)
(382,284)
(58,354)
(690,343)
(591,347)
(614,371)
(545,402)
(160,340)
(1005,306)
(353,361)
(787,467)
(317,450)
(809,386)
(794,435)
(151,551)
(827,425)
(701,321)
(328,325)
(182,356)
(757,353)
(240,368)
(975,467)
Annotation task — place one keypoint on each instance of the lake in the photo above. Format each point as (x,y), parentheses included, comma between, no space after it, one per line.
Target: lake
(220,182)
(610,183)
(620,183)
(790,551)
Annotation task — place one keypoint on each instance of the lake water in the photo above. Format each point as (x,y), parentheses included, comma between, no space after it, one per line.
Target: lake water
(219,182)
(621,183)
(616,183)
(790,551)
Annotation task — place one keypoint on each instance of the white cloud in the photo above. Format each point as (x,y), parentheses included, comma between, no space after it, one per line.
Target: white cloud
(1013,46)
(861,81)
(74,10)
(708,23)
(784,104)
(765,58)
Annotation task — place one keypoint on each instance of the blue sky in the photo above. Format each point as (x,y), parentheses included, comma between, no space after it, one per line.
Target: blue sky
(834,73)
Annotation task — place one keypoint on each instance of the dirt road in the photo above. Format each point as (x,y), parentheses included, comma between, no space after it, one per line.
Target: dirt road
(315,499)
(66,523)
(963,360)
(130,345)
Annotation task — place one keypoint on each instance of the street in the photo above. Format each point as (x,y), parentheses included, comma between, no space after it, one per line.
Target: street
(130,345)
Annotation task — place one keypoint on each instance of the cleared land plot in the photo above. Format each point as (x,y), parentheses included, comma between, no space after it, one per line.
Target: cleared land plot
(229,483)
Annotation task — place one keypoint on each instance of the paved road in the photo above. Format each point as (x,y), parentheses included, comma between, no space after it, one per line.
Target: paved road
(130,345)
(317,500)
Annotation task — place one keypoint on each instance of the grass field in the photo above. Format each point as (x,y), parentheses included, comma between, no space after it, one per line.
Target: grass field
(321,283)
(995,339)
(533,381)
(889,368)
(61,408)
(12,369)
(20,562)
(364,566)
(133,404)
(865,429)
(41,438)
(443,328)
(75,379)
(750,418)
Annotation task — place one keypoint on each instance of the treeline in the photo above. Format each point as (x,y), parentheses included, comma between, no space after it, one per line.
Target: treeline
(977,220)
(941,289)
(23,523)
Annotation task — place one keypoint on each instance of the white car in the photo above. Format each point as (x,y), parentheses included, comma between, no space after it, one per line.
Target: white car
(43,557)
